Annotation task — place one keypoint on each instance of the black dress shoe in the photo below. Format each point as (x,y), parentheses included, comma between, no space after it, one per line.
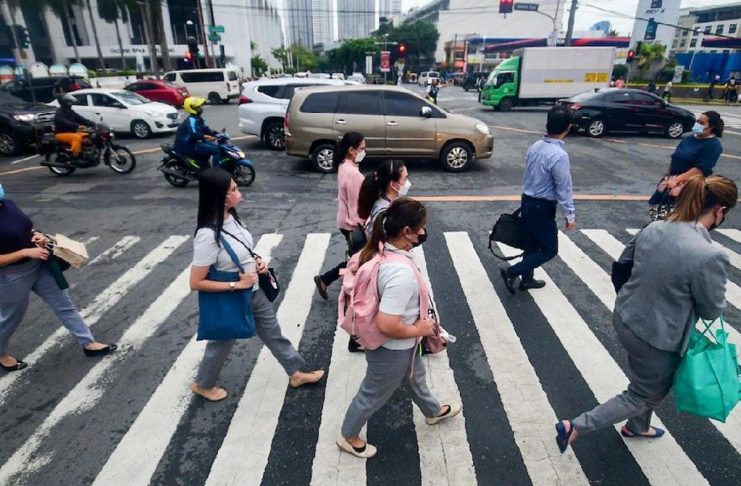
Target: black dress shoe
(91,353)
(531,284)
(509,282)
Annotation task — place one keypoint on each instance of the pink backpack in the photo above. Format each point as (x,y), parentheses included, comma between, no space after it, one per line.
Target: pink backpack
(359,300)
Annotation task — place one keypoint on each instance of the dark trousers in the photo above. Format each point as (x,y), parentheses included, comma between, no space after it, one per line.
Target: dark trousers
(334,274)
(539,217)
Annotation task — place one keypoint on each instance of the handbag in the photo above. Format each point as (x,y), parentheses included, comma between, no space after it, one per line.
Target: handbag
(706,381)
(620,274)
(509,229)
(268,282)
(225,315)
(435,343)
(356,240)
(56,267)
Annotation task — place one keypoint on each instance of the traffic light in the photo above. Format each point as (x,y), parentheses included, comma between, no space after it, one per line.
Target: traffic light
(192,54)
(631,56)
(402,50)
(506,6)
(22,36)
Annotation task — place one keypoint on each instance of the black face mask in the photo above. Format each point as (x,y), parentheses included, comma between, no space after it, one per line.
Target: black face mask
(716,226)
(420,239)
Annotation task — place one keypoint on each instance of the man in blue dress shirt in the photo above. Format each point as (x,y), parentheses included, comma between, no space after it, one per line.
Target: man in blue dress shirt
(547,182)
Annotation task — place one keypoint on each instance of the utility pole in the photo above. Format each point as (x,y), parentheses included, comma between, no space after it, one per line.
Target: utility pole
(385,43)
(572,16)
(207,53)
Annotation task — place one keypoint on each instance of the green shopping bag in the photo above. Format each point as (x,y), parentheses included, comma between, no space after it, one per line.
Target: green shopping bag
(707,381)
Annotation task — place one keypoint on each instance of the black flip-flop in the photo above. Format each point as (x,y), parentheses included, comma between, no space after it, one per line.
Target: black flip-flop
(19,365)
(562,439)
(626,432)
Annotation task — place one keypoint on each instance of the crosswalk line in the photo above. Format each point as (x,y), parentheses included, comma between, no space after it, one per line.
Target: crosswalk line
(591,274)
(515,378)
(116,250)
(731,429)
(732,255)
(733,234)
(439,444)
(139,451)
(104,301)
(88,391)
(244,453)
(667,464)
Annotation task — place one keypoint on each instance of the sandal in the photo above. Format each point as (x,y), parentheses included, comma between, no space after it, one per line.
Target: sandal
(562,439)
(220,393)
(626,432)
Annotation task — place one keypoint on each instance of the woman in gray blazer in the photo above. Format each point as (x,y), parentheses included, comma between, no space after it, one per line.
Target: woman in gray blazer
(678,276)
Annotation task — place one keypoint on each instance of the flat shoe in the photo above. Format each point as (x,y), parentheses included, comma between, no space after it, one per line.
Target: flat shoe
(313,377)
(626,432)
(453,410)
(562,439)
(509,282)
(91,353)
(531,284)
(365,452)
(220,393)
(19,365)
(321,287)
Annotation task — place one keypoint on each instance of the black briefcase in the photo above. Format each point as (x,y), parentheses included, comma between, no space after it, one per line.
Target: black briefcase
(510,230)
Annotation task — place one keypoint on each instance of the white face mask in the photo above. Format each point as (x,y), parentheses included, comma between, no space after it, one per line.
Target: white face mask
(403,190)
(360,156)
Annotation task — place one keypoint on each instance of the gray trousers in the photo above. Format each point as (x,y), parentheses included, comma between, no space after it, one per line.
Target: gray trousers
(267,329)
(387,369)
(16,284)
(651,378)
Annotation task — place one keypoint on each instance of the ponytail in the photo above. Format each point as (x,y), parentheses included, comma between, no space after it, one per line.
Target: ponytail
(716,122)
(349,140)
(376,184)
(390,223)
(701,194)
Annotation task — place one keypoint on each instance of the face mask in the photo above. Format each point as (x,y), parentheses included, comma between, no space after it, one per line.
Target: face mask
(360,156)
(2,193)
(403,190)
(697,129)
(715,226)
(420,239)
(233,199)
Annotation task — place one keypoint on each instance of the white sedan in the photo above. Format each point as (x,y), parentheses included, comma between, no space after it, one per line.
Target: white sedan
(126,112)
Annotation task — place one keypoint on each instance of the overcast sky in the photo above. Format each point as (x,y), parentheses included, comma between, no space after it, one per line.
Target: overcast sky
(587,16)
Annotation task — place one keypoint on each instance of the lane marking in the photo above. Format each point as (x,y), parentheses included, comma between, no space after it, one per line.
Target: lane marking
(116,250)
(92,313)
(590,272)
(88,391)
(244,453)
(605,378)
(140,450)
(24,159)
(514,376)
(20,171)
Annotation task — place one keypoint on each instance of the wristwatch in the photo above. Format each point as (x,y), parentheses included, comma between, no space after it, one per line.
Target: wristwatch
(232,286)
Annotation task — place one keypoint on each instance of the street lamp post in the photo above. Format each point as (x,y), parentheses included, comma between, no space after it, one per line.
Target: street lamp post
(386,43)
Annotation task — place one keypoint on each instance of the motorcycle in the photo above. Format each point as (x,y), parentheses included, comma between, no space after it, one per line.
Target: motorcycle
(99,144)
(180,171)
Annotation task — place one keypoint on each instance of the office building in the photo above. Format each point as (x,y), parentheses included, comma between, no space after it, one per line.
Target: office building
(707,22)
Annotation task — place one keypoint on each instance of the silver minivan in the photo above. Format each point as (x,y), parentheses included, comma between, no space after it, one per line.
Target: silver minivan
(216,85)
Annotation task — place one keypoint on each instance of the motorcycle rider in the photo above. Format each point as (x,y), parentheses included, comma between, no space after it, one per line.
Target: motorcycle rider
(432,91)
(69,126)
(194,139)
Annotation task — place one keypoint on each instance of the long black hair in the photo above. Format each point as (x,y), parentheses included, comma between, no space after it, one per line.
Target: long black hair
(376,183)
(390,223)
(716,123)
(349,140)
(213,185)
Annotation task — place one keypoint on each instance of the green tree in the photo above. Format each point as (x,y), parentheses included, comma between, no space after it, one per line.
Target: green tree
(420,39)
(281,55)
(351,52)
(101,61)
(111,11)
(650,54)
(60,9)
(303,58)
(259,66)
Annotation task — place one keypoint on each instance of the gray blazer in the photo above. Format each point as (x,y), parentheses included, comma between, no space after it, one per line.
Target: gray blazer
(678,276)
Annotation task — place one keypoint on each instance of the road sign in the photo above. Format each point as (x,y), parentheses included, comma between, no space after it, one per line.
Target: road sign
(529,7)
(214,37)
(216,29)
(385,61)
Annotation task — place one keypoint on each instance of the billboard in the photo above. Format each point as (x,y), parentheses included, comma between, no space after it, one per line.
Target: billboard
(651,15)
(385,61)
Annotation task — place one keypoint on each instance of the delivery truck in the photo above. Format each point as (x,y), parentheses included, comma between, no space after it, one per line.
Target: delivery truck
(537,75)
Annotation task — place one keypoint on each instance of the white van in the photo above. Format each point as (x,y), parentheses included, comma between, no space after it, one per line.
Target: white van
(426,78)
(216,85)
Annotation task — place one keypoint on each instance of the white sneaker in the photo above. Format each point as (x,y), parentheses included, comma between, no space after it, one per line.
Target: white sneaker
(365,452)
(453,410)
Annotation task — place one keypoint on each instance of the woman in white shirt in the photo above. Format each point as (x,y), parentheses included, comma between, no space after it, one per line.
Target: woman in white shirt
(386,184)
(400,228)
(218,197)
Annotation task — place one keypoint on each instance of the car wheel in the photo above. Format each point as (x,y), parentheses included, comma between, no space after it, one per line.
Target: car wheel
(596,128)
(506,104)
(274,136)
(456,156)
(8,144)
(675,130)
(214,98)
(140,129)
(322,157)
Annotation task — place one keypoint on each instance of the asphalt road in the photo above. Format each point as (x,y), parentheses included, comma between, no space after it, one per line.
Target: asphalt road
(519,362)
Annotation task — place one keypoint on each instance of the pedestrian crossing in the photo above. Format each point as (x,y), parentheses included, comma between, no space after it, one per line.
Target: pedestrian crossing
(520,363)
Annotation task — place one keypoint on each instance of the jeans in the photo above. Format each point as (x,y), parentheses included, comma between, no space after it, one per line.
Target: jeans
(205,150)
(539,217)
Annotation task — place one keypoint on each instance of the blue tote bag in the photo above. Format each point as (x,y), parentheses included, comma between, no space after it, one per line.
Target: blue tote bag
(225,315)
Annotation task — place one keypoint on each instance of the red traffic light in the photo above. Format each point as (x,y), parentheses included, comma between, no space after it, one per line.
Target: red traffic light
(188,56)
(402,49)
(506,6)
(631,55)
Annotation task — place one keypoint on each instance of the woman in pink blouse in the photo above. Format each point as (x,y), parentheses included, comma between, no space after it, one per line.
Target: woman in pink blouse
(348,156)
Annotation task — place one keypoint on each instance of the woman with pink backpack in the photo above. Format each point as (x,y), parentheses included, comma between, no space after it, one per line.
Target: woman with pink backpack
(400,319)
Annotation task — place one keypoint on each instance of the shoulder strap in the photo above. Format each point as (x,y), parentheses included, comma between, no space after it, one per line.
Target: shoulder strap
(231,253)
(252,253)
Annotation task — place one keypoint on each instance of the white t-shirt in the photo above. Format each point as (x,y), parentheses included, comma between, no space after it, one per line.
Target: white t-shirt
(378,206)
(207,252)
(399,291)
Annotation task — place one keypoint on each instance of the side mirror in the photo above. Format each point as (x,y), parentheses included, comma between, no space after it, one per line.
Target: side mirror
(426,112)
(119,106)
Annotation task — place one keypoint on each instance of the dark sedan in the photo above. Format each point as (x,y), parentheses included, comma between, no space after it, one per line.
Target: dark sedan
(627,110)
(22,123)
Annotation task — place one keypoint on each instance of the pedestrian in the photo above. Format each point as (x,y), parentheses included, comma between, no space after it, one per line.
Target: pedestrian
(432,91)
(24,267)
(218,197)
(546,184)
(679,276)
(399,229)
(651,87)
(667,93)
(713,82)
(620,83)
(379,189)
(696,154)
(348,156)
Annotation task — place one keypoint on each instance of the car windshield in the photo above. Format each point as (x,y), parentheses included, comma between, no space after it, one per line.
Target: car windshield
(130,98)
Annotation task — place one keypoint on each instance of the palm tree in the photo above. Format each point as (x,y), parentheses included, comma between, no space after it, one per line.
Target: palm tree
(101,61)
(59,7)
(160,33)
(112,11)
(650,53)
